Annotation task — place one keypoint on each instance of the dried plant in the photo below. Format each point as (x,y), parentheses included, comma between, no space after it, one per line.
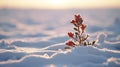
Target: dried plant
(77,38)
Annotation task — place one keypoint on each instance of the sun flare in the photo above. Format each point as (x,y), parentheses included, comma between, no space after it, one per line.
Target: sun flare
(58,2)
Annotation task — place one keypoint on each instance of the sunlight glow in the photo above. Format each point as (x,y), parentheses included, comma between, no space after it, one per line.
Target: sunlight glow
(55,4)
(59,4)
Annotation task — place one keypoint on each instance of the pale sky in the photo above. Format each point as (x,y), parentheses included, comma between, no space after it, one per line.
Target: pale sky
(59,4)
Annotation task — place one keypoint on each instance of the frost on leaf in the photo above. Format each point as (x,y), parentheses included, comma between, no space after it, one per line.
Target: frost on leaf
(77,37)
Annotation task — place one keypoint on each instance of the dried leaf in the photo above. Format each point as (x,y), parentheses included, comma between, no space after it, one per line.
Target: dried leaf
(76,33)
(85,44)
(75,25)
(67,47)
(75,29)
(93,42)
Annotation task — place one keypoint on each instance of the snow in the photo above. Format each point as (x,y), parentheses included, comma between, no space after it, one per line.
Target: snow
(36,38)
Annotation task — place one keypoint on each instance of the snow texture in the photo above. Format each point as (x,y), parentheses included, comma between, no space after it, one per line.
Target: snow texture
(36,38)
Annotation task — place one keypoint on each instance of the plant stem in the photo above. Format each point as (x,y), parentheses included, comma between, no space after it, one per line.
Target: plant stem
(79,34)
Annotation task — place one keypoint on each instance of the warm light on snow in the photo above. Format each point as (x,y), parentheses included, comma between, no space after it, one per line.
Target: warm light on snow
(36,38)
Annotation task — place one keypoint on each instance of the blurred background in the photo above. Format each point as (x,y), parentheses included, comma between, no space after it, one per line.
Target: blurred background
(36,18)
(35,24)
(59,4)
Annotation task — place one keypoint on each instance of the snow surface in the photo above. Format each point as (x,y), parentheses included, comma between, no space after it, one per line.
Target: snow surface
(36,38)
